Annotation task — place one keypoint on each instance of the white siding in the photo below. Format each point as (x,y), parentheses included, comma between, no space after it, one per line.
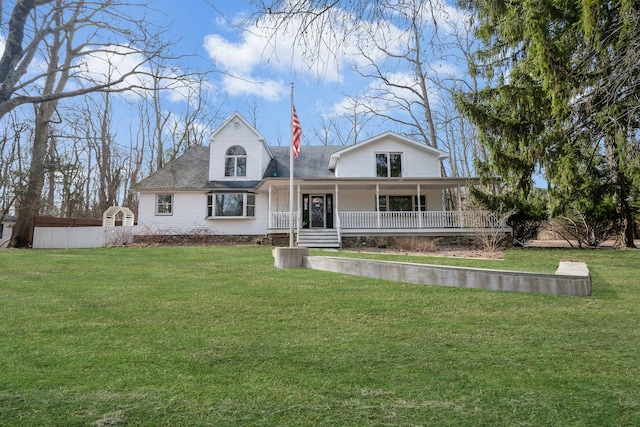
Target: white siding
(280,200)
(434,200)
(189,211)
(257,155)
(360,162)
(356,200)
(189,216)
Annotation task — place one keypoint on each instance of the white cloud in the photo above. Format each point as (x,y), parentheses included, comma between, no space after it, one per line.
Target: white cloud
(263,60)
(263,51)
(381,98)
(270,90)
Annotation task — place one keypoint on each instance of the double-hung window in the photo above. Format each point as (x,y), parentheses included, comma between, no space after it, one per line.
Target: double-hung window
(388,165)
(235,162)
(164,204)
(231,205)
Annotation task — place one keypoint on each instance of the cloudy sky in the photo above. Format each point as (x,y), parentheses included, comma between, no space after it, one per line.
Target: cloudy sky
(254,71)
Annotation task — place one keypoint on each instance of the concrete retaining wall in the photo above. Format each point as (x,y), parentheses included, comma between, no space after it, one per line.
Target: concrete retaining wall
(570,279)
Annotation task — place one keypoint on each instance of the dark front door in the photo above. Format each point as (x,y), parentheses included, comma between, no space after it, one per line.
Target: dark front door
(317,211)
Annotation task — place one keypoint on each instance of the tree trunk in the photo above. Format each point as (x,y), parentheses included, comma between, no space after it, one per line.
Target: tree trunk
(30,201)
(624,217)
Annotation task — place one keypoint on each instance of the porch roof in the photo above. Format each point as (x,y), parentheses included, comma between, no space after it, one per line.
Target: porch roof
(436,183)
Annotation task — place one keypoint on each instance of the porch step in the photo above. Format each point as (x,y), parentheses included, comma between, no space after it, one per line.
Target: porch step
(319,238)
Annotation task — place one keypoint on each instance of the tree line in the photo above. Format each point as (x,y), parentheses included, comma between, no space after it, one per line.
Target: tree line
(547,89)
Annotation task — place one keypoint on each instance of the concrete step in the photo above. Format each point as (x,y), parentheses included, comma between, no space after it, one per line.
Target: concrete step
(319,238)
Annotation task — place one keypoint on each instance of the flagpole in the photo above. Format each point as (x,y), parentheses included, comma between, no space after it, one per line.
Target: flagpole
(291,176)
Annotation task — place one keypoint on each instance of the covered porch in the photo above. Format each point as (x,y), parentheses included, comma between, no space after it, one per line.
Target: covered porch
(398,222)
(376,207)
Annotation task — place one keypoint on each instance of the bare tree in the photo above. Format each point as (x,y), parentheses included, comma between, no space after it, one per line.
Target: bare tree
(192,124)
(399,47)
(101,137)
(11,159)
(110,29)
(349,126)
(75,39)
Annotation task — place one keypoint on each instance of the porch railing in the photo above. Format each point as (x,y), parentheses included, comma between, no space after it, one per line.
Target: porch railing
(403,220)
(280,220)
(428,219)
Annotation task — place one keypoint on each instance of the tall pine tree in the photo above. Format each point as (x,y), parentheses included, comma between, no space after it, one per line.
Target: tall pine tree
(562,99)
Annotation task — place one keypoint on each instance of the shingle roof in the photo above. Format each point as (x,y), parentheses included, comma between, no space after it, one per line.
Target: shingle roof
(312,162)
(190,171)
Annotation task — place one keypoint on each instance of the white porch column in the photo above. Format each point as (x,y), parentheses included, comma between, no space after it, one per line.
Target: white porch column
(419,209)
(337,210)
(420,222)
(378,205)
(460,216)
(270,222)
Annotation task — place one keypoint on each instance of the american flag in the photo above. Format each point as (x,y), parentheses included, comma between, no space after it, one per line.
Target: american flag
(296,133)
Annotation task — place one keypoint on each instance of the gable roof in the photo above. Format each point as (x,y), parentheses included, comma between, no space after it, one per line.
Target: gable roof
(238,117)
(387,135)
(190,171)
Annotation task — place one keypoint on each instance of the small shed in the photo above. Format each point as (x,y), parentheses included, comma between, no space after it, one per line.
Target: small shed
(110,215)
(6,227)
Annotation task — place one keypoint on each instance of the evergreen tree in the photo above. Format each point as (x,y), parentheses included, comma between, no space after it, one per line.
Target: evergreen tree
(563,99)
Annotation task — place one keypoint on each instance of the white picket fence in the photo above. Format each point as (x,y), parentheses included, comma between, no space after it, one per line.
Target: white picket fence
(81,237)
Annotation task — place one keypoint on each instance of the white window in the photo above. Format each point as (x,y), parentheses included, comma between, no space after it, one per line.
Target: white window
(164,204)
(388,165)
(235,162)
(231,205)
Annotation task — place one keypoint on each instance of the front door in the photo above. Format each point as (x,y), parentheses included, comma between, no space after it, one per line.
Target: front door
(317,211)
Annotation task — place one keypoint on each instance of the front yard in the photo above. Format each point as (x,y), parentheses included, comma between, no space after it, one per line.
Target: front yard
(218,336)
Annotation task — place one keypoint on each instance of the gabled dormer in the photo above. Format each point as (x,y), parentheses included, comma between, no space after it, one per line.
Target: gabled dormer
(237,152)
(388,155)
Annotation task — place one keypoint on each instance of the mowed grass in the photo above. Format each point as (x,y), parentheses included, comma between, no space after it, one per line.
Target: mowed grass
(218,336)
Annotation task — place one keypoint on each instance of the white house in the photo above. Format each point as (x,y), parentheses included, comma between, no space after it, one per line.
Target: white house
(239,185)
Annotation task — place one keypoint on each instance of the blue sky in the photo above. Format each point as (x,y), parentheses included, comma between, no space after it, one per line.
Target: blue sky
(252,73)
(252,77)
(259,74)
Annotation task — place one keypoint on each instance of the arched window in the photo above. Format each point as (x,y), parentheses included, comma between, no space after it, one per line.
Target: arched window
(235,162)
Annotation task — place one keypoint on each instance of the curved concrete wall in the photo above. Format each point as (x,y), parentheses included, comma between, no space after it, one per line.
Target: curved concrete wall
(570,278)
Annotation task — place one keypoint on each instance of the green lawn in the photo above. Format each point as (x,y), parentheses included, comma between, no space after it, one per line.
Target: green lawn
(218,336)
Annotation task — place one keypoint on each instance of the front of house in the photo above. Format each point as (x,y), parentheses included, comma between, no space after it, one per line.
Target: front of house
(239,185)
